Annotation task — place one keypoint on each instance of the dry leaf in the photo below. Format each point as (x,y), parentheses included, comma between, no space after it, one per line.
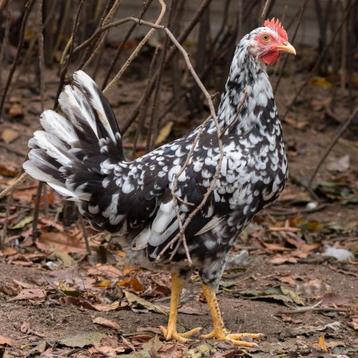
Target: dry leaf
(16,110)
(105,307)
(82,340)
(6,341)
(132,283)
(30,294)
(59,241)
(322,344)
(139,301)
(340,165)
(164,133)
(321,82)
(106,323)
(8,169)
(9,135)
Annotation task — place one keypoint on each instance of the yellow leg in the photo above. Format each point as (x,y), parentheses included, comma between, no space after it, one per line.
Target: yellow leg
(219,332)
(170,333)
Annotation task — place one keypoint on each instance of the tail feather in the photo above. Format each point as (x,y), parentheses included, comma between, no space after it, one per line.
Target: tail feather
(68,152)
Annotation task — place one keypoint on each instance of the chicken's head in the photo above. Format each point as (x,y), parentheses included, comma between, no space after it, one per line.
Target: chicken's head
(267,42)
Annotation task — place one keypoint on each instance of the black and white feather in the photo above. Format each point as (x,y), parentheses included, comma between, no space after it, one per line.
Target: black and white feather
(79,154)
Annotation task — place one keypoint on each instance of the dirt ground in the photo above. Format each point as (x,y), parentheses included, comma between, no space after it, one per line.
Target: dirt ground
(55,301)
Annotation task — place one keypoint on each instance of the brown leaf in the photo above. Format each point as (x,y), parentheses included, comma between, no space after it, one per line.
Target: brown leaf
(132,283)
(60,241)
(30,294)
(9,135)
(8,169)
(135,300)
(322,344)
(16,110)
(164,133)
(282,259)
(106,323)
(81,302)
(105,270)
(6,341)
(106,307)
(340,165)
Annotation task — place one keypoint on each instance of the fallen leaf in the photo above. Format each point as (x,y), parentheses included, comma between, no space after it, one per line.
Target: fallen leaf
(106,307)
(135,300)
(66,259)
(354,323)
(106,323)
(8,169)
(81,302)
(283,259)
(9,135)
(321,82)
(30,294)
(132,283)
(278,294)
(82,340)
(6,341)
(22,223)
(164,133)
(59,241)
(340,165)
(68,290)
(16,110)
(322,344)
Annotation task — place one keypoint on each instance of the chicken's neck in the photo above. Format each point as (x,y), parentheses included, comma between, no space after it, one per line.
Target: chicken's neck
(247,94)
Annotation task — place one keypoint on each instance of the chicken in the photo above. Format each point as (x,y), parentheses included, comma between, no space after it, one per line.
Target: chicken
(79,154)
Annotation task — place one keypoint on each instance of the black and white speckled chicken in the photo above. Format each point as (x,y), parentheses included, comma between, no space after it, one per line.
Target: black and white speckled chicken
(79,154)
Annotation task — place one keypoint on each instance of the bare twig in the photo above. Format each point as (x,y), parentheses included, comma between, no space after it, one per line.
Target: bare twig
(40,43)
(13,186)
(106,19)
(330,147)
(27,11)
(265,11)
(125,39)
(302,10)
(136,51)
(4,228)
(70,49)
(181,38)
(85,234)
(319,59)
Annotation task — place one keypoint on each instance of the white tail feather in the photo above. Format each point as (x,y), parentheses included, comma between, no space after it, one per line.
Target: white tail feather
(86,83)
(59,126)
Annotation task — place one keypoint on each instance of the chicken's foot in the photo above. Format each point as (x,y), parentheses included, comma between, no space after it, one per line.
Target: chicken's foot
(170,333)
(219,332)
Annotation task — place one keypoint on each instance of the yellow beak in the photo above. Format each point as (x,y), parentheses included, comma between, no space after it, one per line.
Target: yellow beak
(287,48)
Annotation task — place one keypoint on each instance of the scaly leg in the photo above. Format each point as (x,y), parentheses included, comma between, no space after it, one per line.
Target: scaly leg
(170,333)
(219,332)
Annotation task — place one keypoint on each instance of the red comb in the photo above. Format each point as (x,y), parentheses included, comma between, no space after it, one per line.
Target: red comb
(275,25)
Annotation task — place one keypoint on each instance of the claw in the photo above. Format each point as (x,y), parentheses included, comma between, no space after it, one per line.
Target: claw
(234,338)
(180,337)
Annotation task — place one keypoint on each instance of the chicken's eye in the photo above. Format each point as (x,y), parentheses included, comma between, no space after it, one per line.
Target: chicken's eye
(265,37)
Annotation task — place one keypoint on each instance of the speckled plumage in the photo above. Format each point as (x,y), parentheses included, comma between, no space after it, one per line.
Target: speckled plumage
(80,155)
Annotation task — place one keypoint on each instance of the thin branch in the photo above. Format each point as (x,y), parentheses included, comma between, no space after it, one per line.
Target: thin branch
(13,186)
(27,11)
(136,51)
(105,21)
(330,147)
(302,10)
(319,59)
(125,39)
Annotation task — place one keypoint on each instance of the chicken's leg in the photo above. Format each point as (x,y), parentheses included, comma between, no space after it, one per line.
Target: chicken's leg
(219,332)
(170,333)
